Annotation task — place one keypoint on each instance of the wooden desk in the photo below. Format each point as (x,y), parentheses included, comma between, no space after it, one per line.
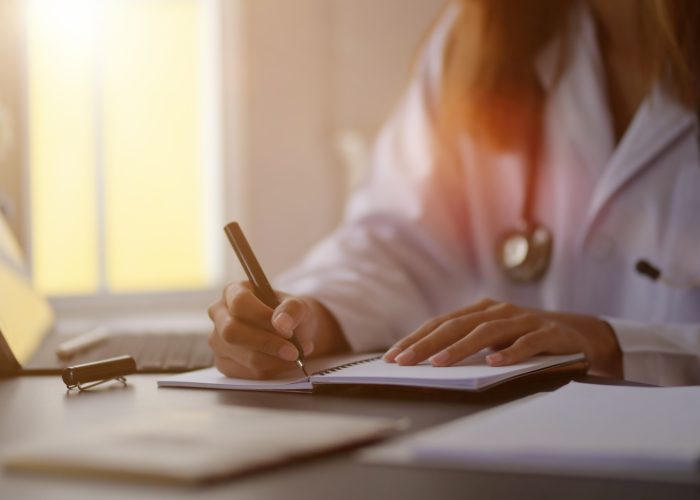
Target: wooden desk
(39,405)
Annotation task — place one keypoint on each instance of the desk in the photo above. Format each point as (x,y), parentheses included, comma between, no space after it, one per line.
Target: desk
(34,405)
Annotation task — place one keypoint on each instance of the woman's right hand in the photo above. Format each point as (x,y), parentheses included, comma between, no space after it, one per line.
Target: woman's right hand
(251,340)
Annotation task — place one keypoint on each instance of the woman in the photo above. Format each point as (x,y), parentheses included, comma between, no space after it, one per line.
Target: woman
(565,125)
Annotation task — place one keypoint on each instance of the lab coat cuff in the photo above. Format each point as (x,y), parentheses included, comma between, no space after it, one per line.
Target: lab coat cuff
(657,354)
(639,337)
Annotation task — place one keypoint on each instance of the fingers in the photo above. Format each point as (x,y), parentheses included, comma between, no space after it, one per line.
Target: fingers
(444,335)
(548,339)
(289,315)
(430,326)
(488,334)
(238,360)
(243,305)
(473,331)
(231,335)
(519,333)
(247,341)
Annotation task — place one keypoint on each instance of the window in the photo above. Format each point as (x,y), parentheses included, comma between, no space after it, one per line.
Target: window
(123,130)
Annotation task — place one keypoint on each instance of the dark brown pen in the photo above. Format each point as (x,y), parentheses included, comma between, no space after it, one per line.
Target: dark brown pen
(96,372)
(261,286)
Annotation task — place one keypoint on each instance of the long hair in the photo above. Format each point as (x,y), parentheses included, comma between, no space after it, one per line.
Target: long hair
(490,88)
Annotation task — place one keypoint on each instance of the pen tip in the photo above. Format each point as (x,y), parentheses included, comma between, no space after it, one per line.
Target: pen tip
(300,364)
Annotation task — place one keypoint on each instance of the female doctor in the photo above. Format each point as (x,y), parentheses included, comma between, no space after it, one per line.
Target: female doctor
(540,151)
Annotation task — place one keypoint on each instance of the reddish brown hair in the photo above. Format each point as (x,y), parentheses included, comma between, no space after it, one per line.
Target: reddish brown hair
(490,89)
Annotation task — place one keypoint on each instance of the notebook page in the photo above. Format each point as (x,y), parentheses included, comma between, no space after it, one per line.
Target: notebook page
(211,378)
(472,373)
(293,380)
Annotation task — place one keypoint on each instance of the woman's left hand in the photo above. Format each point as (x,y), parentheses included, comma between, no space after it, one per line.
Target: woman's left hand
(514,334)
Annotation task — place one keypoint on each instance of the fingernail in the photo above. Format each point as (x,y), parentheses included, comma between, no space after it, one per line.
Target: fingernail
(495,358)
(440,358)
(405,357)
(308,347)
(391,354)
(288,352)
(283,323)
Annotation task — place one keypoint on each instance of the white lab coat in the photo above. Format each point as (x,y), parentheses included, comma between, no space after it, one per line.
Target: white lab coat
(419,236)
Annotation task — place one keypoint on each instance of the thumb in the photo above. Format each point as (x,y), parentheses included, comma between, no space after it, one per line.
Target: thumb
(289,315)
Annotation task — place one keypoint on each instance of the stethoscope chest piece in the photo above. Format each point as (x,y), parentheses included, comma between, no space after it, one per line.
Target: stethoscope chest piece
(524,253)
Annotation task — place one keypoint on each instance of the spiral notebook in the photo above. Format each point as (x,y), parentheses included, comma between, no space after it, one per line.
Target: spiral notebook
(472,374)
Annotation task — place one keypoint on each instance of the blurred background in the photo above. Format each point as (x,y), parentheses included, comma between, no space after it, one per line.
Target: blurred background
(132,130)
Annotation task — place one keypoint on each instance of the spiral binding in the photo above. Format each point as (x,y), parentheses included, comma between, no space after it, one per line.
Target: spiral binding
(347,365)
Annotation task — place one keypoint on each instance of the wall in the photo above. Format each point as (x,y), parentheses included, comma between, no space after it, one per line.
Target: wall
(317,71)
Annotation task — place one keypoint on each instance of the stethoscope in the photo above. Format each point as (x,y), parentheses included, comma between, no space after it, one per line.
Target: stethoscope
(525,251)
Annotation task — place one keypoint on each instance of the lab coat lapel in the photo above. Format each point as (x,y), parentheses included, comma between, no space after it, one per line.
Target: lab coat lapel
(580,109)
(657,124)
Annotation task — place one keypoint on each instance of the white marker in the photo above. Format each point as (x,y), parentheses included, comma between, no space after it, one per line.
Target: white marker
(82,342)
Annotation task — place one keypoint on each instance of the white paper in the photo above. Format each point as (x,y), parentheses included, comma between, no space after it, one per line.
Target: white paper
(211,378)
(472,373)
(598,430)
(293,380)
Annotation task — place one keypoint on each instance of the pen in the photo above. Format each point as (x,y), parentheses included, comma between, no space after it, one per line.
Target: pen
(87,375)
(261,286)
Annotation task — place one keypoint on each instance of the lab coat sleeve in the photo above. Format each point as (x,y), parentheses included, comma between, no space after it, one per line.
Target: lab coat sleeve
(666,354)
(400,251)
